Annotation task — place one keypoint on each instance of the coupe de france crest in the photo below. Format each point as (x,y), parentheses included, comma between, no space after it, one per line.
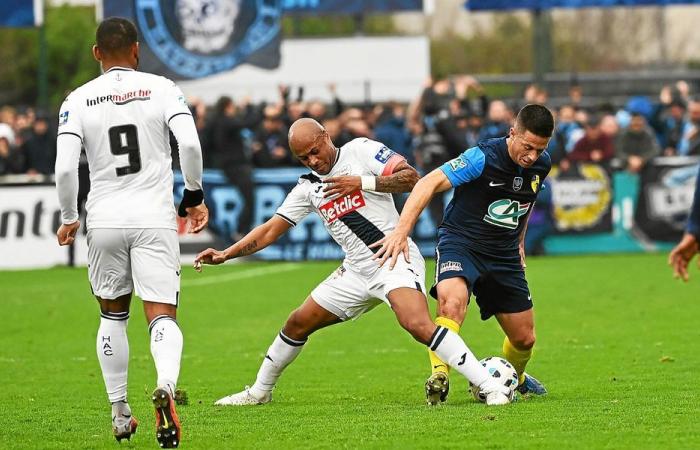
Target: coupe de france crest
(196,38)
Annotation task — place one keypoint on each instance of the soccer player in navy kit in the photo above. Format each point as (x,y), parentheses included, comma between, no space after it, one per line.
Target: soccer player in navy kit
(689,246)
(481,239)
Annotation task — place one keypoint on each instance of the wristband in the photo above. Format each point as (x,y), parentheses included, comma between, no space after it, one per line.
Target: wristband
(369,183)
(189,199)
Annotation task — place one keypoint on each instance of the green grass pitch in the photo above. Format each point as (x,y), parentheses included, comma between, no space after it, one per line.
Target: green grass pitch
(617,348)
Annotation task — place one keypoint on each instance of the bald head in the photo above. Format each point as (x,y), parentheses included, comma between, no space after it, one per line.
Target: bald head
(312,146)
(303,133)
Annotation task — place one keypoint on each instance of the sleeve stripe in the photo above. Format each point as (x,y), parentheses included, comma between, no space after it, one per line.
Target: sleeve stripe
(178,114)
(291,222)
(71,133)
(391,164)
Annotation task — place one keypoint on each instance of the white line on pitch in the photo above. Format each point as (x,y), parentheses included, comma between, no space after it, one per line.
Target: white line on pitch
(243,274)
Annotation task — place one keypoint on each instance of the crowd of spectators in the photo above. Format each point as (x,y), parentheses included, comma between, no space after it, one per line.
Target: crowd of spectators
(448,116)
(27,142)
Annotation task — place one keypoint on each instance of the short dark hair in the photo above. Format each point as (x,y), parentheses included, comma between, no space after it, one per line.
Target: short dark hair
(115,35)
(536,119)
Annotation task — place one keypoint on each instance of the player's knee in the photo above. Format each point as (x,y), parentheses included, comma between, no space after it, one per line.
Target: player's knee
(296,326)
(453,307)
(524,340)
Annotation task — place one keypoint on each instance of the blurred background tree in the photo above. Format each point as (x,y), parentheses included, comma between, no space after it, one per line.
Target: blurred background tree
(70,34)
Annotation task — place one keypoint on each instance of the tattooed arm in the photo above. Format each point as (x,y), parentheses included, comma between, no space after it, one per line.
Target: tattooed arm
(402,179)
(259,238)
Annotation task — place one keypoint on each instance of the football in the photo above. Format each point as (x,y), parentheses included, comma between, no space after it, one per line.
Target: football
(499,369)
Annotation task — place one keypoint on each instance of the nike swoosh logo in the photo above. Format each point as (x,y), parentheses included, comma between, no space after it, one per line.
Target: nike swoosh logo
(268,357)
(439,365)
(492,184)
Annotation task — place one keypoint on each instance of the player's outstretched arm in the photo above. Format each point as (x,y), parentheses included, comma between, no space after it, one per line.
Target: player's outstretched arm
(396,242)
(402,179)
(259,238)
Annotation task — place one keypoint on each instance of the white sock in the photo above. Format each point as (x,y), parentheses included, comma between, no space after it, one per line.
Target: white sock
(449,347)
(113,353)
(280,354)
(166,348)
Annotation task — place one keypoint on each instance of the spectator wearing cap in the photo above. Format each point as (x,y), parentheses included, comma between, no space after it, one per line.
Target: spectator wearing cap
(636,144)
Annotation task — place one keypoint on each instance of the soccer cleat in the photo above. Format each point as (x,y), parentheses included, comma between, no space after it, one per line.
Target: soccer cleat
(531,386)
(436,388)
(123,427)
(167,422)
(244,398)
(496,394)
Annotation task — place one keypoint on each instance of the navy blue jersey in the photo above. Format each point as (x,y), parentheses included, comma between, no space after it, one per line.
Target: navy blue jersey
(493,196)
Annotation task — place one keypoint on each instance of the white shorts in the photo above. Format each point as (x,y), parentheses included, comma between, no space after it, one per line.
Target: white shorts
(147,259)
(348,294)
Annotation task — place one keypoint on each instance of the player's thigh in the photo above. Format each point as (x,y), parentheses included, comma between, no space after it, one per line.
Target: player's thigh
(411,310)
(405,274)
(456,272)
(503,290)
(109,265)
(307,319)
(344,293)
(155,263)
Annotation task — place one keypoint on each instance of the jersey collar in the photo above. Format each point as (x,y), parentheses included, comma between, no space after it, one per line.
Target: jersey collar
(116,68)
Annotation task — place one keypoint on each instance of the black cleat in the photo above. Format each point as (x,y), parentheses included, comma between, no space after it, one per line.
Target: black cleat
(167,422)
(436,388)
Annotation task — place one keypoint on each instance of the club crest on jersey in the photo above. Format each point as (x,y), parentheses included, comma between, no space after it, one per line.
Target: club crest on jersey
(517,183)
(63,118)
(457,163)
(335,209)
(384,154)
(535,183)
(506,213)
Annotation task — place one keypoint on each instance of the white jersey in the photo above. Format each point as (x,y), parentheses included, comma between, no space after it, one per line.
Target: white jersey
(122,119)
(358,219)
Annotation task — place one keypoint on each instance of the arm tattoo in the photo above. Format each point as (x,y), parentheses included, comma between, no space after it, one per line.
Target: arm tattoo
(248,249)
(402,180)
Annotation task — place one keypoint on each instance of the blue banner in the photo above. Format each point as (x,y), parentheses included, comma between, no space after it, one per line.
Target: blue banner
(21,13)
(485,5)
(313,7)
(187,39)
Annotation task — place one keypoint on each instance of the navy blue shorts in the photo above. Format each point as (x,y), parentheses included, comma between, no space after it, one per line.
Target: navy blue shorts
(498,283)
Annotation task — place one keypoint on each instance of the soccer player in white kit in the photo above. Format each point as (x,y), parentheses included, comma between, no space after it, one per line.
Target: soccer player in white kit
(122,119)
(350,189)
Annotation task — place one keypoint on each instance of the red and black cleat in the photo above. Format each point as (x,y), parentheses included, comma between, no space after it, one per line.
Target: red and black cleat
(167,422)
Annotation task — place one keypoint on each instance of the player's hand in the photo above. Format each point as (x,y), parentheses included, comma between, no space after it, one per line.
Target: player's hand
(209,256)
(521,250)
(66,233)
(197,218)
(681,255)
(392,245)
(341,186)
